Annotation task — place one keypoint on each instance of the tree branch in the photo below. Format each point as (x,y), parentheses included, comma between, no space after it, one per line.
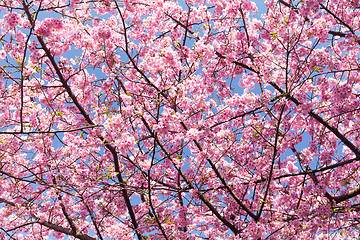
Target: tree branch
(49,131)
(272,163)
(337,18)
(54,227)
(64,230)
(191,186)
(111,148)
(334,130)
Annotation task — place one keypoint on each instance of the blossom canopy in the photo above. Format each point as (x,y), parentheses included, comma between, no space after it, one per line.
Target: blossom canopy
(188,119)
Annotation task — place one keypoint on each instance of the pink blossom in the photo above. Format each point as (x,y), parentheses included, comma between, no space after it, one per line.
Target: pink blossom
(48,25)
(141,119)
(341,92)
(104,32)
(12,19)
(291,167)
(56,23)
(2,55)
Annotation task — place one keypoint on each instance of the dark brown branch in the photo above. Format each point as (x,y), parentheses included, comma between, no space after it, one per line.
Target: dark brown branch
(316,170)
(337,18)
(64,230)
(191,186)
(272,163)
(227,187)
(111,148)
(154,212)
(218,174)
(122,185)
(93,220)
(52,226)
(2,200)
(340,34)
(316,182)
(334,33)
(350,194)
(237,116)
(245,27)
(285,3)
(334,130)
(50,131)
(238,63)
(23,78)
(252,215)
(58,72)
(74,229)
(180,23)
(131,59)
(217,53)
(337,199)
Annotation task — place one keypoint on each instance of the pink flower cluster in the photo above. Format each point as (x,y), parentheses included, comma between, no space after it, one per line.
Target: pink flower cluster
(12,19)
(163,120)
(341,92)
(104,33)
(48,25)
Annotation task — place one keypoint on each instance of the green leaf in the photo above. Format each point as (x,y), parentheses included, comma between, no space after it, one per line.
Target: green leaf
(273,34)
(58,113)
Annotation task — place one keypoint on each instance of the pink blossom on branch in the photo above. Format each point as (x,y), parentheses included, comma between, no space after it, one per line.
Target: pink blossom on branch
(179,119)
(12,19)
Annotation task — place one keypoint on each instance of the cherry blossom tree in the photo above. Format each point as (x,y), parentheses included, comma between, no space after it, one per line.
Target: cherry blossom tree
(165,119)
